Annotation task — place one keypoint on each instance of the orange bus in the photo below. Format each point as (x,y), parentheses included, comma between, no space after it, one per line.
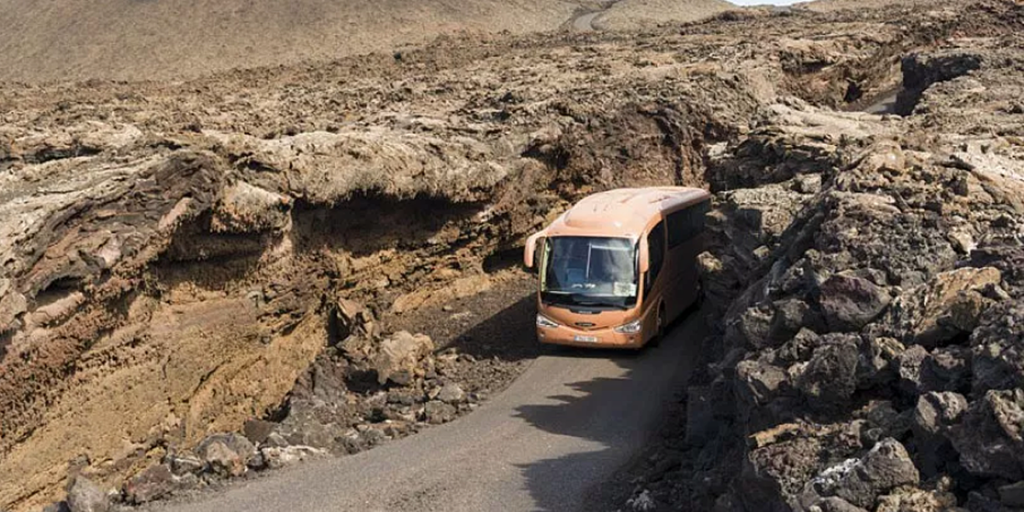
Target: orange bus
(619,266)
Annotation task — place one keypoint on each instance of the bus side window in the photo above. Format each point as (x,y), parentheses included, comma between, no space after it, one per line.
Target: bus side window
(699,214)
(687,223)
(676,228)
(656,252)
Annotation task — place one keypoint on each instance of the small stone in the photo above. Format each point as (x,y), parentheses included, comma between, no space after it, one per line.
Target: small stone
(184,464)
(156,482)
(85,496)
(807,183)
(642,502)
(437,412)
(834,504)
(279,457)
(404,396)
(451,393)
(276,440)
(226,454)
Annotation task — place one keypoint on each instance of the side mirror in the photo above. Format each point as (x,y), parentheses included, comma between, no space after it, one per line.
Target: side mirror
(530,251)
(645,260)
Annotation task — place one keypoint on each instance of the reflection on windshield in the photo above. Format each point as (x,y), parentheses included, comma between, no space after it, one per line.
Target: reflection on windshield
(589,271)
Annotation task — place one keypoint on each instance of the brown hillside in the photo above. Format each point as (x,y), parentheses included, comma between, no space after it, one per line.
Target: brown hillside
(161,39)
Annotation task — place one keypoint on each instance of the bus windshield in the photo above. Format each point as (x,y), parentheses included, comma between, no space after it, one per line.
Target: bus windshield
(589,271)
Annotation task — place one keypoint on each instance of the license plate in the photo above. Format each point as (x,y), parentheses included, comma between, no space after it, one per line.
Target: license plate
(588,339)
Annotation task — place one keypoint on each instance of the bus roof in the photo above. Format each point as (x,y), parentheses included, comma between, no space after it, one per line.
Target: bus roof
(622,212)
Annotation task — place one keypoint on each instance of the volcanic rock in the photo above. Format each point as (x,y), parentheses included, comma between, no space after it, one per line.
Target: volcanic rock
(156,482)
(226,454)
(885,467)
(990,438)
(279,457)
(399,357)
(437,412)
(850,303)
(451,393)
(830,377)
(997,347)
(85,496)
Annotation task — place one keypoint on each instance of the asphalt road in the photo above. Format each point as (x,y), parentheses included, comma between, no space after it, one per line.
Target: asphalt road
(546,443)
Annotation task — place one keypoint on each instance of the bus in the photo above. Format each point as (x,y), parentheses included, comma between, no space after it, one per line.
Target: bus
(619,266)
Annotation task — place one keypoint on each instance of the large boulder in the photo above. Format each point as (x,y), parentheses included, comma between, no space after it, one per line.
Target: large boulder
(788,464)
(990,439)
(948,306)
(762,394)
(886,466)
(758,382)
(400,355)
(849,303)
(879,362)
(997,347)
(226,454)
(942,369)
(933,418)
(750,329)
(790,317)
(830,378)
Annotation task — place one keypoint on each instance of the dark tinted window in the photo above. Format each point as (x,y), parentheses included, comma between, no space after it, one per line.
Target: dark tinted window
(687,223)
(656,251)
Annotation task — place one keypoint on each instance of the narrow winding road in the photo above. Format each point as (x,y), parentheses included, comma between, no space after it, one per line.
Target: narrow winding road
(585,22)
(546,443)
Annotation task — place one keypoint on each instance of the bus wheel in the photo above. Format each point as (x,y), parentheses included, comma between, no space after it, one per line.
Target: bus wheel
(660,333)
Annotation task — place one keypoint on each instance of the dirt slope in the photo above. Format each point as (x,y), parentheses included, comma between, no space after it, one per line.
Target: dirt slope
(174,40)
(632,14)
(160,39)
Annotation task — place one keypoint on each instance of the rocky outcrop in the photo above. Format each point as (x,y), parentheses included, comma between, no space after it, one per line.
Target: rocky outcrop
(870,338)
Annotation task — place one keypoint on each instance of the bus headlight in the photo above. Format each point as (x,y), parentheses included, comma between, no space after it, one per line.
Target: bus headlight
(630,328)
(542,321)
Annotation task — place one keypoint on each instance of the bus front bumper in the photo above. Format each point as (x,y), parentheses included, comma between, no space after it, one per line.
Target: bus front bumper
(603,338)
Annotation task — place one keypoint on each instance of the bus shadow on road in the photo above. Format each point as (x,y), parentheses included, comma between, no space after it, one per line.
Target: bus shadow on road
(610,418)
